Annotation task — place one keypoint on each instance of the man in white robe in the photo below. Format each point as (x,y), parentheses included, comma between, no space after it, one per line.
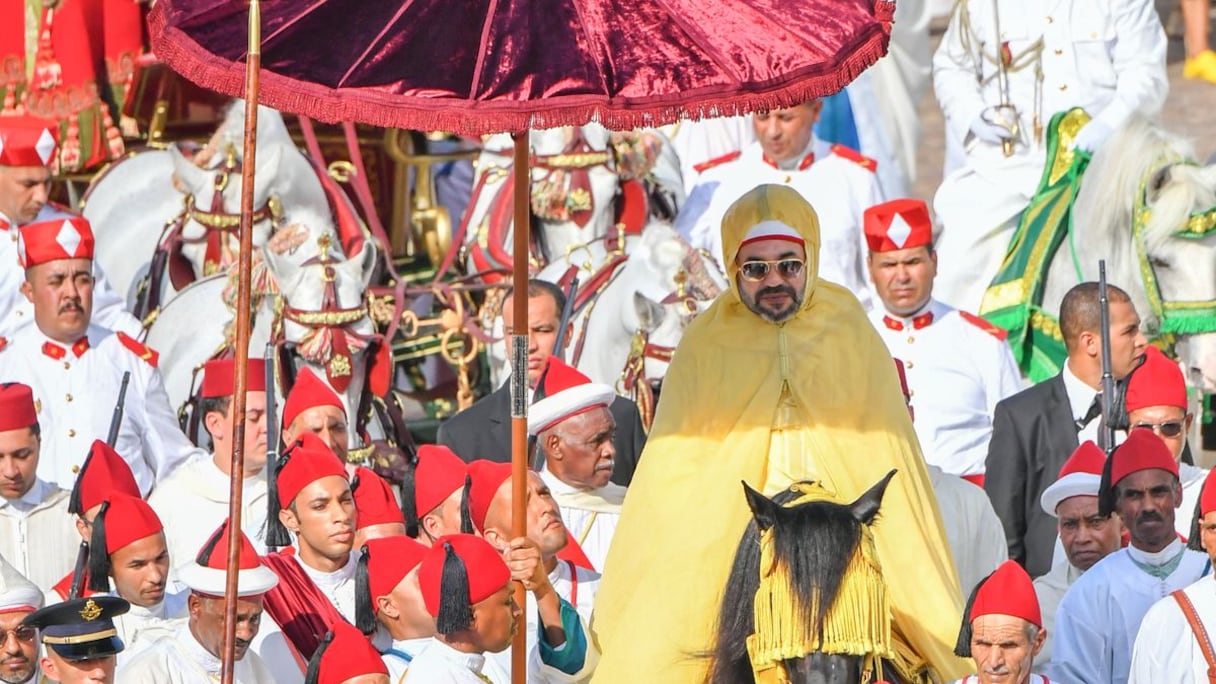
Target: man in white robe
(19,652)
(1085,536)
(194,499)
(392,600)
(1003,629)
(192,653)
(1169,647)
(1097,621)
(36,532)
(1156,400)
(573,429)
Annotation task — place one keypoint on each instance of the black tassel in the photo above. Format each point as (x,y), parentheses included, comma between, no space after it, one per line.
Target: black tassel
(276,534)
(204,556)
(466,516)
(409,499)
(1106,489)
(74,499)
(455,613)
(99,557)
(313,675)
(1194,541)
(962,647)
(365,618)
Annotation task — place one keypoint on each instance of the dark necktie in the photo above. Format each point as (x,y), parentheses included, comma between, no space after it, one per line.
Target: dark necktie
(1095,410)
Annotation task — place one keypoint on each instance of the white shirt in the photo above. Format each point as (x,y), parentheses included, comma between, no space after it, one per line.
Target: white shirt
(1080,398)
(957,373)
(839,189)
(193,502)
(977,539)
(438,663)
(400,654)
(1099,617)
(590,517)
(1034,678)
(180,659)
(1167,649)
(141,627)
(338,586)
(38,536)
(578,586)
(75,395)
(1050,588)
(16,312)
(1107,57)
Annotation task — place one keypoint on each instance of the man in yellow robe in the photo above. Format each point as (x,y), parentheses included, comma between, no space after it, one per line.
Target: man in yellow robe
(782,379)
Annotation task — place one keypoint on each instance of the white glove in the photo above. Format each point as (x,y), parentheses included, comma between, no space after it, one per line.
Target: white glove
(1091,137)
(989,132)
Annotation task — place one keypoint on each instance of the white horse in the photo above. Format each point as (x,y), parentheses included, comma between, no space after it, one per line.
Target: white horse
(577,187)
(319,322)
(131,204)
(1143,163)
(640,300)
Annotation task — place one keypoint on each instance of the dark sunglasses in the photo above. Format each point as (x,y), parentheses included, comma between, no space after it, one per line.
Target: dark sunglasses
(1170,428)
(757,270)
(24,633)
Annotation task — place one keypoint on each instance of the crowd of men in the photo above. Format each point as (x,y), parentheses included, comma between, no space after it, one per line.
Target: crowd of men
(1022,542)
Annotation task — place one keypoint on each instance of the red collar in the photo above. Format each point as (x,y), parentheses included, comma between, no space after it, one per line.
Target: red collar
(802,165)
(57,352)
(921,321)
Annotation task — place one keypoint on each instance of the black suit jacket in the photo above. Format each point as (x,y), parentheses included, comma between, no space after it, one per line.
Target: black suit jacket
(1032,435)
(483,431)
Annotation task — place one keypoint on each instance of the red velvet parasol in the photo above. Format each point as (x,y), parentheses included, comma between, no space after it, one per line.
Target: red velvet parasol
(489,66)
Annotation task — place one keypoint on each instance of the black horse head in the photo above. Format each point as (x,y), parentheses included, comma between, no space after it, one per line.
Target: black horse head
(815,540)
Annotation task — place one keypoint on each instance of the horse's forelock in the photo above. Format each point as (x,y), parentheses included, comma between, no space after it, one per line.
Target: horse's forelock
(799,540)
(1189,189)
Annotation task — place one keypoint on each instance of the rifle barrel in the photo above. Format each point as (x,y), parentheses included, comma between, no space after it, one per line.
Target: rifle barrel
(116,420)
(1107,434)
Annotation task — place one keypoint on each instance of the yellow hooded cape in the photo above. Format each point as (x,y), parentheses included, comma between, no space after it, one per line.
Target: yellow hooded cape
(685,511)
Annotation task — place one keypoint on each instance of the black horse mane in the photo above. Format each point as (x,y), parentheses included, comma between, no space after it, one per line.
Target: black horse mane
(815,540)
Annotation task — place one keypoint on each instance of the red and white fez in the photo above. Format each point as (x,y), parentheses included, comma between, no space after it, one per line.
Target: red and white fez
(1157,382)
(1081,475)
(567,393)
(307,392)
(219,377)
(344,654)
(208,572)
(772,230)
(374,500)
(487,477)
(898,224)
(1142,450)
(16,407)
(486,571)
(27,141)
(17,594)
(439,473)
(1007,591)
(127,519)
(306,462)
(62,236)
(104,473)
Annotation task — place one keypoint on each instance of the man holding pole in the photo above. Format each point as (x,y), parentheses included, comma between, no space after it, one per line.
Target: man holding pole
(76,370)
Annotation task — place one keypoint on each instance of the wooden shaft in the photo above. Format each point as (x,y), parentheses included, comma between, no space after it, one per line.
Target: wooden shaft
(519,385)
(241,381)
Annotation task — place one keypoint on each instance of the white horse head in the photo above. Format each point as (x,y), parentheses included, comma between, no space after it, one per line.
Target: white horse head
(1147,172)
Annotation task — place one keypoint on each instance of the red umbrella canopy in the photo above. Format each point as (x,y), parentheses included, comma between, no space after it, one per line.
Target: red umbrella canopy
(482,66)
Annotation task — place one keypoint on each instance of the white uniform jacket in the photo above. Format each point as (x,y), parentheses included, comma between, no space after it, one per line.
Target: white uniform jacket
(1167,649)
(75,390)
(958,368)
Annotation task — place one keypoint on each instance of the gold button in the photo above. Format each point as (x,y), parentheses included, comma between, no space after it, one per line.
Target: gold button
(1059,51)
(66,365)
(787,179)
(71,433)
(75,469)
(911,339)
(1063,87)
(69,397)
(909,365)
(1051,20)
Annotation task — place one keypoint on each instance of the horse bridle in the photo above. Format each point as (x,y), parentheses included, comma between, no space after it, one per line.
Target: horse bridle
(218,223)
(1174,317)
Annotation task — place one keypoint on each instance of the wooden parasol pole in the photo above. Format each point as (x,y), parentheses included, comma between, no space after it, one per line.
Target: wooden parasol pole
(519,382)
(241,381)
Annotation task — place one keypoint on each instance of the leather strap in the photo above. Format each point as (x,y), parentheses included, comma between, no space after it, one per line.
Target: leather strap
(1201,632)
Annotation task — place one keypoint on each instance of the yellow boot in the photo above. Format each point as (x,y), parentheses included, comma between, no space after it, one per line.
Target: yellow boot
(1201,67)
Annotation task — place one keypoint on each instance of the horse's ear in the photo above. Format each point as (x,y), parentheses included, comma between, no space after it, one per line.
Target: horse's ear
(1157,182)
(764,511)
(650,312)
(184,169)
(865,508)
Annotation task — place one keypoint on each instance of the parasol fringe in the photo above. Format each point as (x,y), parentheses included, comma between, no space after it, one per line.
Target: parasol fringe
(186,57)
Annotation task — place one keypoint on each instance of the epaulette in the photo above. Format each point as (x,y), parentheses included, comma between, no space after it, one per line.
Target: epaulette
(3,343)
(855,157)
(143,351)
(996,331)
(717,161)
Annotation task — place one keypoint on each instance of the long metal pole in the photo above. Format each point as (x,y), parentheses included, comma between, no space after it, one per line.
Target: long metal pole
(519,380)
(241,381)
